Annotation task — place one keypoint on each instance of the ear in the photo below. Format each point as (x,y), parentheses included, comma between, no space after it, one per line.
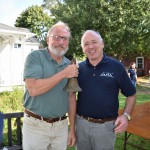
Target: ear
(102,42)
(83,50)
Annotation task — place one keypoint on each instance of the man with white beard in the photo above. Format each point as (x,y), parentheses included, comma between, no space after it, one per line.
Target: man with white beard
(46,72)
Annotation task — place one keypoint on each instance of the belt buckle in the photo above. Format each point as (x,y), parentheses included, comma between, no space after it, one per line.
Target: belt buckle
(88,118)
(49,120)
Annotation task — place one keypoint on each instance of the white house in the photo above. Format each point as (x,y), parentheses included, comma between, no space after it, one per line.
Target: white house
(15,44)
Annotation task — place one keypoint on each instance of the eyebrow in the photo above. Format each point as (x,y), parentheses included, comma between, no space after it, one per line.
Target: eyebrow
(90,41)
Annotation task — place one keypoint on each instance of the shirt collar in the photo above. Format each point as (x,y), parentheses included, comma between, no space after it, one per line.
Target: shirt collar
(103,61)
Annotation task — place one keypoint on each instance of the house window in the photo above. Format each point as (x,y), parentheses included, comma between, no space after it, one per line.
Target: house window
(140,62)
(16,45)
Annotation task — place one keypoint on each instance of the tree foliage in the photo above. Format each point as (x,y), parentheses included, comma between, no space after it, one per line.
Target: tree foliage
(123,24)
(35,19)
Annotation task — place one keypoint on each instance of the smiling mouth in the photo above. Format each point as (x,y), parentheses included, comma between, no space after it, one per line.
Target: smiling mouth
(92,52)
(60,47)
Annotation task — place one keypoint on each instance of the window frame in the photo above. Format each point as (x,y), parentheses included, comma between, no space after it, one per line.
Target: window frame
(137,63)
(17,45)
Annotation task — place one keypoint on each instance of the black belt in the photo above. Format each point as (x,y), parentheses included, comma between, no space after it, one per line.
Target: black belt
(49,120)
(98,120)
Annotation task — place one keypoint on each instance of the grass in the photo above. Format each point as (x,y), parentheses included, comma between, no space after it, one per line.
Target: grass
(136,140)
(12,102)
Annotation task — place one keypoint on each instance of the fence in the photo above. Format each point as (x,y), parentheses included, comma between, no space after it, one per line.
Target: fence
(14,141)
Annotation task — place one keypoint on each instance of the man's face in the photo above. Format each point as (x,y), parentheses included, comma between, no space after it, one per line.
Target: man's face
(93,46)
(58,41)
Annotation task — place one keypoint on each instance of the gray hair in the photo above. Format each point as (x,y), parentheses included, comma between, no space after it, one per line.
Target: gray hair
(97,33)
(59,24)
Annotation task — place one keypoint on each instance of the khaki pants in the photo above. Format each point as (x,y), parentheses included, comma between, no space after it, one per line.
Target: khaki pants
(40,135)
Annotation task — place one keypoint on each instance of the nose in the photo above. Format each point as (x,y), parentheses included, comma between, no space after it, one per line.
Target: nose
(61,41)
(90,45)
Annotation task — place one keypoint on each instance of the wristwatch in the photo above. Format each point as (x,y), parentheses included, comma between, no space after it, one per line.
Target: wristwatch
(127,115)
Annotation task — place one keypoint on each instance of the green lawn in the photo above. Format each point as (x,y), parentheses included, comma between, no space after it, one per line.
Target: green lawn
(12,102)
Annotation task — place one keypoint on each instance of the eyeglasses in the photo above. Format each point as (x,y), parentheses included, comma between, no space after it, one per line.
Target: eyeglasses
(58,38)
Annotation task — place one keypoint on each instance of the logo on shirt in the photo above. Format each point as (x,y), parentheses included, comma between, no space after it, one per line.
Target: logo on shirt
(107,74)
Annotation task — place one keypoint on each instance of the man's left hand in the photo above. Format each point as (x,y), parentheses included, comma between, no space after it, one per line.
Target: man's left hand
(121,124)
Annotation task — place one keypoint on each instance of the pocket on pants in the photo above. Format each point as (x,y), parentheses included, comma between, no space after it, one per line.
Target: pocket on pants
(28,120)
(109,126)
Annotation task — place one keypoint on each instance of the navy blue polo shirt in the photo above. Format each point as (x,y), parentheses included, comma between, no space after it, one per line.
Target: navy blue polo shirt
(100,88)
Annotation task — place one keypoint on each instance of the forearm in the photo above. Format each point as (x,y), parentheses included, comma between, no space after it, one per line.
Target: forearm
(130,103)
(39,86)
(72,110)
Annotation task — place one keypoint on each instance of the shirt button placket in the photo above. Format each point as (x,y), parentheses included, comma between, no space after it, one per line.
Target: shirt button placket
(94,71)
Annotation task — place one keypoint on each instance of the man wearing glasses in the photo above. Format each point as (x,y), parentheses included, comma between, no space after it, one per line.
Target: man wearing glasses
(46,73)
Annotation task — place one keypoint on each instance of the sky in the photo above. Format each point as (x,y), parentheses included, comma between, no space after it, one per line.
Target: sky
(11,9)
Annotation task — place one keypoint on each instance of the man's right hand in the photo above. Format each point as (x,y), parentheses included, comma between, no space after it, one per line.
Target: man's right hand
(71,71)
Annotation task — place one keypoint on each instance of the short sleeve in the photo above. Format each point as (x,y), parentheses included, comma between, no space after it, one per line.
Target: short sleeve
(127,88)
(33,66)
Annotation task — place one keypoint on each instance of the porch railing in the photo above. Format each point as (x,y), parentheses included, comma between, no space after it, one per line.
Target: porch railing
(14,138)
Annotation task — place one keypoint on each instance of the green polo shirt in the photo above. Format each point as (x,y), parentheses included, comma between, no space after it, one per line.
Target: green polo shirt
(54,103)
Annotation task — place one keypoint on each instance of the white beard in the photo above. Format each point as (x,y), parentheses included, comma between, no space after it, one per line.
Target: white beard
(56,52)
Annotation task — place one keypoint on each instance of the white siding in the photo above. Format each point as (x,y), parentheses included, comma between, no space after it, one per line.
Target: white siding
(12,63)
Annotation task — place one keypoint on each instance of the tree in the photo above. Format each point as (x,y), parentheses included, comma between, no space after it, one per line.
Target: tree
(35,19)
(123,24)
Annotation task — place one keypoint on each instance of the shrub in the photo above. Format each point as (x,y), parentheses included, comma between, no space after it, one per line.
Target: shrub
(13,100)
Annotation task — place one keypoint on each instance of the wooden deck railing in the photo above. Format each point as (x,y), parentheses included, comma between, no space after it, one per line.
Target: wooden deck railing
(11,120)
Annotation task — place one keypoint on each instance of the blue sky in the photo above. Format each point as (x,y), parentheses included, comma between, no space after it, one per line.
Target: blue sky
(11,9)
